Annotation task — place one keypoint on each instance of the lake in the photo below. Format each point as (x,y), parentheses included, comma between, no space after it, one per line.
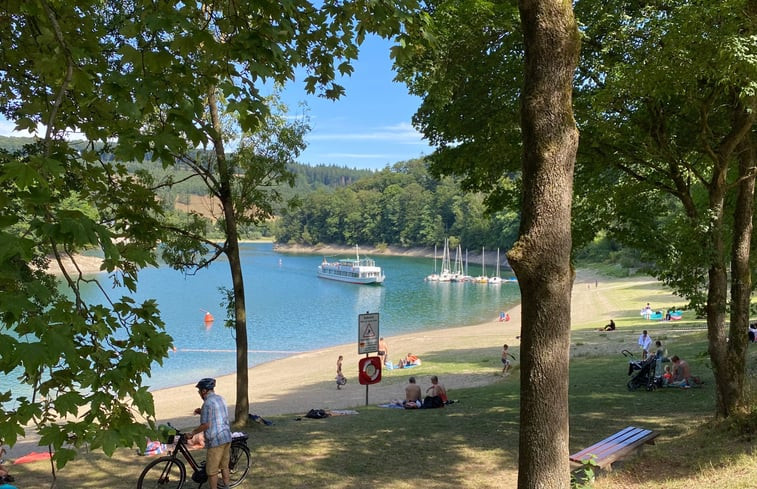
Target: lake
(290,310)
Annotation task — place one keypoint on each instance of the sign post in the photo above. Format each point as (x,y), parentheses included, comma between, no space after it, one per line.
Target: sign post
(367,342)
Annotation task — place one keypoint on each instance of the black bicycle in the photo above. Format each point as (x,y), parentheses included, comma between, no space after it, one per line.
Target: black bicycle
(170,472)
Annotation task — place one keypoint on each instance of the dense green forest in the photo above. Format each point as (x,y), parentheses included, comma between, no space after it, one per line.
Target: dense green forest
(402,205)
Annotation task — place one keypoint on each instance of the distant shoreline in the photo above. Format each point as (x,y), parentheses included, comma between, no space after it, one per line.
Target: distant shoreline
(90,265)
(490,257)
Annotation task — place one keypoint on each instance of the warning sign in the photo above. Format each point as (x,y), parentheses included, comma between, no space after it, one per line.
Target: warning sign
(367,333)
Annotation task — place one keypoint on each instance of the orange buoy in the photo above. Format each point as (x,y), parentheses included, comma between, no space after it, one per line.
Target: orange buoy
(208,317)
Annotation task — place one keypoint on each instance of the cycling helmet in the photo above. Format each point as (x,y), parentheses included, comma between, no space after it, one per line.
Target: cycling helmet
(207,384)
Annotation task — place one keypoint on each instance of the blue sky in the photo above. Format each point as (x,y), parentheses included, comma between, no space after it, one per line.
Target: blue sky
(370,127)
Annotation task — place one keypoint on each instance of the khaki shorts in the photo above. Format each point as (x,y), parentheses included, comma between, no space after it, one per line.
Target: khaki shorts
(218,458)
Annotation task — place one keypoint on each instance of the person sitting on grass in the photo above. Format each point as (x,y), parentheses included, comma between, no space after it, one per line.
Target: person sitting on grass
(410,359)
(412,395)
(667,377)
(610,326)
(4,475)
(682,374)
(436,395)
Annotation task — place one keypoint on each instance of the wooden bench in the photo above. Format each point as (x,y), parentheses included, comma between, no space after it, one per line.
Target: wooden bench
(614,447)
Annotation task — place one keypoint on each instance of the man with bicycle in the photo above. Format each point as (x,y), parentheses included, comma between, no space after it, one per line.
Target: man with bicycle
(214,422)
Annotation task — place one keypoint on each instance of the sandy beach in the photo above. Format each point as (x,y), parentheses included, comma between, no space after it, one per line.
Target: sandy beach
(295,384)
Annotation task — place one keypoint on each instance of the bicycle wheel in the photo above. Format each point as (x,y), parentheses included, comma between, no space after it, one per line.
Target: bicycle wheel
(239,464)
(163,473)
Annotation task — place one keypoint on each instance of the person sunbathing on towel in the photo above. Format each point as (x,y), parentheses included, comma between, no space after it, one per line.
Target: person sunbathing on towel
(411,359)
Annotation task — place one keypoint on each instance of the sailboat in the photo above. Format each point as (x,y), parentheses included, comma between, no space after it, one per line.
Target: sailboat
(496,280)
(434,277)
(482,279)
(458,275)
(445,275)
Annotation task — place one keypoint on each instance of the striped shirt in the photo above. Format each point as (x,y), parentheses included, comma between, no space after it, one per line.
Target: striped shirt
(215,413)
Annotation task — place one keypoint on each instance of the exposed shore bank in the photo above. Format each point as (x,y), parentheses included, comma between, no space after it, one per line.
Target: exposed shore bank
(489,256)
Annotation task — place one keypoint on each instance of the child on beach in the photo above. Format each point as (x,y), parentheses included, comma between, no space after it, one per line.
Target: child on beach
(340,379)
(505,360)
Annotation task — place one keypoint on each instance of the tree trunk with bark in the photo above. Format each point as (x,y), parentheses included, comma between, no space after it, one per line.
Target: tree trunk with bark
(727,347)
(741,286)
(225,195)
(541,255)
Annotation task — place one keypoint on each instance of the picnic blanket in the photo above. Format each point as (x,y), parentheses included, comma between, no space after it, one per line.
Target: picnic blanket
(392,366)
(32,457)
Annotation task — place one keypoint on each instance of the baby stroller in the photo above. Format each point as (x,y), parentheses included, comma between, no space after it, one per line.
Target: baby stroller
(645,372)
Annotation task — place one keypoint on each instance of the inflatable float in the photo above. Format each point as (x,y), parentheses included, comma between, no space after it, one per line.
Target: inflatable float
(659,315)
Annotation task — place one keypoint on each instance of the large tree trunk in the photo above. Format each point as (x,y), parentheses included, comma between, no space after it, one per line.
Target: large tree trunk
(541,256)
(242,405)
(727,349)
(732,398)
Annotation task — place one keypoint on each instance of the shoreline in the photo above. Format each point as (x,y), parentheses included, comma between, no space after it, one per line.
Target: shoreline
(303,381)
(90,265)
(490,257)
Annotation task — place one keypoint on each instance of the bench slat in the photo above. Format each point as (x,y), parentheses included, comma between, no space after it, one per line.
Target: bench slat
(615,446)
(617,436)
(631,438)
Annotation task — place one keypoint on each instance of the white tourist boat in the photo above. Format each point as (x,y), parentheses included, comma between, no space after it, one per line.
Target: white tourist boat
(354,271)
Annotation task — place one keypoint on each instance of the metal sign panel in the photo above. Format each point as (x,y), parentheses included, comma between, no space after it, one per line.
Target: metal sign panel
(367,333)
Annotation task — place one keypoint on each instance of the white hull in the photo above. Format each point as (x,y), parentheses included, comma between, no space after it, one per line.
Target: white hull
(357,271)
(350,278)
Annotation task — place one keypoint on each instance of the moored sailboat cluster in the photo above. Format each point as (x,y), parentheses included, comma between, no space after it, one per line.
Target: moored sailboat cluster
(459,273)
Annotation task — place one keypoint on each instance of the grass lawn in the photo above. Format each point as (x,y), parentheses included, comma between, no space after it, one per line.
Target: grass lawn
(474,442)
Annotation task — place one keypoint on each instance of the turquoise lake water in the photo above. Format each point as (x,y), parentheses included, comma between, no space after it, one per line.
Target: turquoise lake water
(290,310)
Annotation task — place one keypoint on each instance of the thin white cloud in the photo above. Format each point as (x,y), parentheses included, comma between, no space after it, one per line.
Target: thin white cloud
(402,133)
(8,128)
(362,156)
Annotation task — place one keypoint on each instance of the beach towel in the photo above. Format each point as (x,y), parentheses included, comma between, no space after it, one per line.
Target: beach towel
(392,405)
(154,448)
(32,457)
(259,419)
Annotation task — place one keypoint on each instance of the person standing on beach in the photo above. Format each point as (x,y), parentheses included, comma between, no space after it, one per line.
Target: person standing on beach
(505,360)
(383,350)
(214,423)
(340,379)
